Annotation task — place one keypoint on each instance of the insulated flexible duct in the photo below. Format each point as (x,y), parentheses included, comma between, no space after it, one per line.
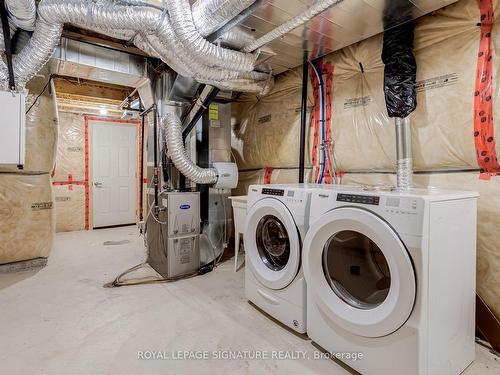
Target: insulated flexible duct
(22,13)
(236,38)
(157,31)
(179,47)
(204,51)
(288,26)
(35,55)
(176,151)
(211,15)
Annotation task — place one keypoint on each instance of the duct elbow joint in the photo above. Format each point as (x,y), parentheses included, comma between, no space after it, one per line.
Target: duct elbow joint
(227,175)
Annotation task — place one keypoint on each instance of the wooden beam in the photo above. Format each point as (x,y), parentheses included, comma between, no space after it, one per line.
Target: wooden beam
(83,87)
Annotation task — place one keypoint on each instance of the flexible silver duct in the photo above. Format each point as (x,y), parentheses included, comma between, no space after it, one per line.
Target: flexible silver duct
(22,13)
(288,26)
(211,15)
(158,36)
(179,156)
(35,55)
(113,16)
(236,38)
(204,51)
(404,154)
(104,15)
(182,62)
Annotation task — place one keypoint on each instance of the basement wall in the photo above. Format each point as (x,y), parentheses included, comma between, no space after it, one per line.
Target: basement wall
(452,56)
(27,214)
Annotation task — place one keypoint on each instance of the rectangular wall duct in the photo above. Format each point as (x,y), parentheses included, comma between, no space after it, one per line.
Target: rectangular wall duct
(88,61)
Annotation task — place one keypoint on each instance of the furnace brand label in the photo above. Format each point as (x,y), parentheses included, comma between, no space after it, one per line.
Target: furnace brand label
(437,82)
(357,102)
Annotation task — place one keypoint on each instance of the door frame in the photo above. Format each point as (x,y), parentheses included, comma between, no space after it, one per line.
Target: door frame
(89,121)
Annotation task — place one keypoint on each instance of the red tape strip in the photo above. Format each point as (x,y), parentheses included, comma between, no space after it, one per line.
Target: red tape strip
(484,137)
(87,187)
(268,174)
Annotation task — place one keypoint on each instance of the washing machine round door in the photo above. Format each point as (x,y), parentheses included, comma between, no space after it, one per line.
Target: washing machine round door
(272,243)
(359,272)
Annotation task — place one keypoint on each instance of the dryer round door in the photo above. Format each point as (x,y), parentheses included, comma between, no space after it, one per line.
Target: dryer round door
(272,243)
(359,272)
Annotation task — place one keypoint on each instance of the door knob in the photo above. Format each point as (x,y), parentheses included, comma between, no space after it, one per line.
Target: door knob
(98,184)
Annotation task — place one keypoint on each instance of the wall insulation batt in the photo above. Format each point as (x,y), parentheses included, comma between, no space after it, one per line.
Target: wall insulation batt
(26,200)
(451,48)
(69,173)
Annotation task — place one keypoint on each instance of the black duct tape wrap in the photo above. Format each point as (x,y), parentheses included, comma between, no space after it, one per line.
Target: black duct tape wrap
(400,71)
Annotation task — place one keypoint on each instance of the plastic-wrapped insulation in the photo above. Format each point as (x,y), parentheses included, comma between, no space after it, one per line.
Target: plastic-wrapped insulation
(211,15)
(312,11)
(22,13)
(204,51)
(179,156)
(35,55)
(400,71)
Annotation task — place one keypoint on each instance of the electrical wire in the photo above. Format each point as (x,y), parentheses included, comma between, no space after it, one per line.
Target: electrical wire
(319,77)
(40,94)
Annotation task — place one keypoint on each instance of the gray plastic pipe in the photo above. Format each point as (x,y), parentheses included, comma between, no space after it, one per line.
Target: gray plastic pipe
(404,154)
(312,11)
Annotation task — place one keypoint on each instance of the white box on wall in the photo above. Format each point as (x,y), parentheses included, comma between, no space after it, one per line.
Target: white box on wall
(12,127)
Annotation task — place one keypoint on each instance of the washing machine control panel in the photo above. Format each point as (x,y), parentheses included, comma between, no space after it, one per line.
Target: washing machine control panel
(356,198)
(275,192)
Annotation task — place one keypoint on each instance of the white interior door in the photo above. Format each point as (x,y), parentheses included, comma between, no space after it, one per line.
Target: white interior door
(114,170)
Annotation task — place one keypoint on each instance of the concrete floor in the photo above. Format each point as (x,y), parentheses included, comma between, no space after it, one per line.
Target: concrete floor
(60,320)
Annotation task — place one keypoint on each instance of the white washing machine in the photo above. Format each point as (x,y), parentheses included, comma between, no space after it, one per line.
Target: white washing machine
(277,221)
(391,279)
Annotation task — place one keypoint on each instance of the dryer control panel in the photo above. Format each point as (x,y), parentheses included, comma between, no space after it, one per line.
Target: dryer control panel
(275,192)
(356,198)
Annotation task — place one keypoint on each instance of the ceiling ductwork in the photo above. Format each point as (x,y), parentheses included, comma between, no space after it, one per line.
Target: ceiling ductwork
(172,36)
(22,13)
(210,15)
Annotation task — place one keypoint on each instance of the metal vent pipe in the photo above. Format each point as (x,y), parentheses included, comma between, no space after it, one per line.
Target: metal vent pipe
(404,154)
